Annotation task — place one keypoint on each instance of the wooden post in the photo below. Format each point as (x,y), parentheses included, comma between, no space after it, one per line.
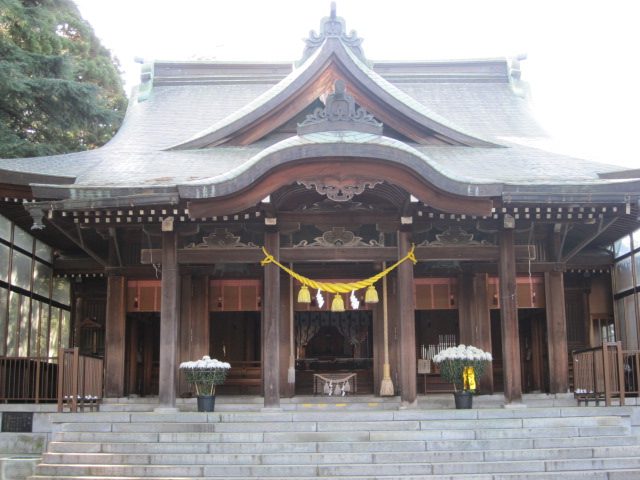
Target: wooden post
(556,333)
(481,325)
(407,321)
(286,311)
(465,308)
(115,337)
(271,323)
(169,313)
(509,319)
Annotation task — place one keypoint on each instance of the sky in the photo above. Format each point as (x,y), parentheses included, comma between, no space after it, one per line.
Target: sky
(582,55)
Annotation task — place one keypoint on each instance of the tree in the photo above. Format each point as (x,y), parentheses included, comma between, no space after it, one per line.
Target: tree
(60,89)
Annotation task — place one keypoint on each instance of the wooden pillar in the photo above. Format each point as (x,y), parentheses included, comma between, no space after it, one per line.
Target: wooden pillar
(286,389)
(407,321)
(509,319)
(115,337)
(271,323)
(169,319)
(556,333)
(465,313)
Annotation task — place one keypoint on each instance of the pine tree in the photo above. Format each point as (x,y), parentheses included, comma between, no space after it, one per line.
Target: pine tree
(60,89)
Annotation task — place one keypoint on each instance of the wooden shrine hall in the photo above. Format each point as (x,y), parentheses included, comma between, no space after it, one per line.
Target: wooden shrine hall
(339,166)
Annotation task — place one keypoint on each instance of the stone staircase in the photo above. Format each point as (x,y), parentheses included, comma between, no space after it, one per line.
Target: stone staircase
(348,441)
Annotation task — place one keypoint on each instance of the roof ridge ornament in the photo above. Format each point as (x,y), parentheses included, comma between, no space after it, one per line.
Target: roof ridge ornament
(334,27)
(340,114)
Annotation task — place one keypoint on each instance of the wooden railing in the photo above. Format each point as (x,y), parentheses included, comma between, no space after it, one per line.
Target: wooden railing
(631,366)
(80,380)
(28,379)
(598,374)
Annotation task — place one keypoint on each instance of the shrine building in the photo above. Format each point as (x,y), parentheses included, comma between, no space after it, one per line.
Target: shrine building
(156,248)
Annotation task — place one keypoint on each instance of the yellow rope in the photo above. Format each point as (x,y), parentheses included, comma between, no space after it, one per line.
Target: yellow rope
(337,287)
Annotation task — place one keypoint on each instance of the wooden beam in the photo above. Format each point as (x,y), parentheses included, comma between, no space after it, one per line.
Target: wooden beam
(407,324)
(211,256)
(509,319)
(578,248)
(271,324)
(556,333)
(80,243)
(169,318)
(113,233)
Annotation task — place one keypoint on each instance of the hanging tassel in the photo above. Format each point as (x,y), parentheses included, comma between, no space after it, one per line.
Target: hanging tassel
(371,295)
(337,305)
(304,296)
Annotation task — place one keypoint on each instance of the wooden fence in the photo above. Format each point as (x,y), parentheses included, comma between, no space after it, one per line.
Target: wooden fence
(28,379)
(599,374)
(80,380)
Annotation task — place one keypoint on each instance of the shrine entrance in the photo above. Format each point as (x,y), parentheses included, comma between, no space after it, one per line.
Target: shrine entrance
(333,343)
(143,353)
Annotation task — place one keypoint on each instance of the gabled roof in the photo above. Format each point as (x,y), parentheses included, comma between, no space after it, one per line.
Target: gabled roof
(333,61)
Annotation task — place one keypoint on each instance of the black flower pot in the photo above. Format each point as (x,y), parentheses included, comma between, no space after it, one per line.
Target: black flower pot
(206,403)
(463,399)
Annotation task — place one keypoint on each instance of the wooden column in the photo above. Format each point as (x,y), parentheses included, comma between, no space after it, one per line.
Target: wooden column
(509,319)
(286,389)
(194,321)
(481,325)
(465,309)
(556,333)
(169,320)
(115,337)
(271,323)
(407,321)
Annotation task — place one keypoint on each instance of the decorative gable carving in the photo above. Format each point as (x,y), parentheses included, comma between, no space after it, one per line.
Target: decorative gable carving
(339,190)
(332,26)
(340,113)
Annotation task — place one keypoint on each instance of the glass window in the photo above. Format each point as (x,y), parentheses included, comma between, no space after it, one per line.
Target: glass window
(4,296)
(622,246)
(5,228)
(35,327)
(622,275)
(22,239)
(25,326)
(637,260)
(618,308)
(4,262)
(13,321)
(44,251)
(54,332)
(44,330)
(65,328)
(630,321)
(41,279)
(636,240)
(21,270)
(62,291)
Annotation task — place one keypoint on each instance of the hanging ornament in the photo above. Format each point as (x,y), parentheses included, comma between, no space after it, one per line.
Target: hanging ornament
(304,296)
(337,305)
(371,296)
(319,299)
(355,303)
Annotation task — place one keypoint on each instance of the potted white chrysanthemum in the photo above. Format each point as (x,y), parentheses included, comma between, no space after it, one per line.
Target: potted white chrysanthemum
(205,374)
(463,366)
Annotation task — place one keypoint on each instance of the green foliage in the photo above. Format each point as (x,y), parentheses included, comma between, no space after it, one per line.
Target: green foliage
(205,380)
(60,89)
(452,370)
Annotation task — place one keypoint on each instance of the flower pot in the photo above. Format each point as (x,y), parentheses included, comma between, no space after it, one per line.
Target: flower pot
(206,403)
(463,399)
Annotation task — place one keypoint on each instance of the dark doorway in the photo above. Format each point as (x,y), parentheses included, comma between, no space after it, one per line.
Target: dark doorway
(235,338)
(534,362)
(143,353)
(435,330)
(332,342)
